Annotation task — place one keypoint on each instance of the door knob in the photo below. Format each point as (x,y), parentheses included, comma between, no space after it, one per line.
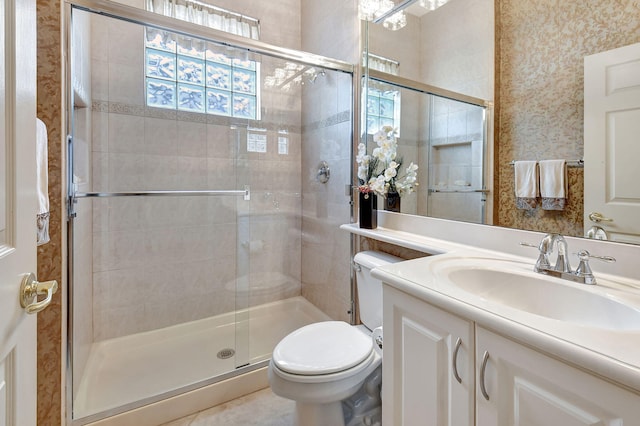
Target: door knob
(598,217)
(30,289)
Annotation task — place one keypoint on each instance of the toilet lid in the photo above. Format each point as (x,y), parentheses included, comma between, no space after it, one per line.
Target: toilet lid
(322,348)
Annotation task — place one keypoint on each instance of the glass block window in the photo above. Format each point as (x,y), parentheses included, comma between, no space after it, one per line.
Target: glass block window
(189,74)
(383,109)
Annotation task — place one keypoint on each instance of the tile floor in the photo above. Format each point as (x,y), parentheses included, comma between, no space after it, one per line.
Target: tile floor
(262,408)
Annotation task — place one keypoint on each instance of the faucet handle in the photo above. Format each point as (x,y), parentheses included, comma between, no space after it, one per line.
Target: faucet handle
(543,258)
(526,244)
(584,270)
(585,255)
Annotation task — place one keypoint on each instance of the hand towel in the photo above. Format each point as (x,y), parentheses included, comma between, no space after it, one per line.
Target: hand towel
(42,176)
(553,184)
(526,184)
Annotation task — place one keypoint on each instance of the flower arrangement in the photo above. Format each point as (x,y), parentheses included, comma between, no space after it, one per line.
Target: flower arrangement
(378,172)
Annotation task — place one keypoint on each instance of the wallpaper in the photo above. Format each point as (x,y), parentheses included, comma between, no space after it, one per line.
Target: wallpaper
(539,64)
(50,256)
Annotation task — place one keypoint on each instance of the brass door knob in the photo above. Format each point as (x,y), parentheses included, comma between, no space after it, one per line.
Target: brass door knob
(598,217)
(31,288)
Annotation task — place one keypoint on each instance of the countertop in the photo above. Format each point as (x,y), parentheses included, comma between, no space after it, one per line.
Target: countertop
(611,354)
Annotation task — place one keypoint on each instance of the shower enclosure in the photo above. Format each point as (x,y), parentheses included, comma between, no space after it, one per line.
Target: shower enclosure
(200,230)
(445,134)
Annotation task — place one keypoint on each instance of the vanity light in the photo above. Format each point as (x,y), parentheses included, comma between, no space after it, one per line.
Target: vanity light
(367,9)
(395,21)
(431,4)
(370,10)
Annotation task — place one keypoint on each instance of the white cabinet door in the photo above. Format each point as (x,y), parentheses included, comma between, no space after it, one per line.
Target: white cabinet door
(421,363)
(17,210)
(525,387)
(611,144)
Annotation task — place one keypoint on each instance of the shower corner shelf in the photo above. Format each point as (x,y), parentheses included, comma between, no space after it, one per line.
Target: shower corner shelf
(451,144)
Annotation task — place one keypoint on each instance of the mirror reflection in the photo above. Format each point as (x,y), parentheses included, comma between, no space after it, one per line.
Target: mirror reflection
(526,60)
(445,138)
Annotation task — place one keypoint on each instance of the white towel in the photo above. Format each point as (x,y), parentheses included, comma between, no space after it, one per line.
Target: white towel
(42,176)
(526,184)
(553,184)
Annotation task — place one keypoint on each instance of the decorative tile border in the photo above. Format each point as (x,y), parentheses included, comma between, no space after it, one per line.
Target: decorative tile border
(168,114)
(341,117)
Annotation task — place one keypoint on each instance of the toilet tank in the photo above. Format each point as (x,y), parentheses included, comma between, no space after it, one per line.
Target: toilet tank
(369,288)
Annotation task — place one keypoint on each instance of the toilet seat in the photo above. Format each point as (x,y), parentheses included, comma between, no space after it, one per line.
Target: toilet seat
(322,348)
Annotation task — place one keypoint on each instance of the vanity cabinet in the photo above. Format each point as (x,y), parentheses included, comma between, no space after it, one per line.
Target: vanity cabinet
(425,351)
(525,387)
(502,382)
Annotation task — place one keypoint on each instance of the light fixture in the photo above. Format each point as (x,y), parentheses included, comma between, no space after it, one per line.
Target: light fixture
(431,4)
(370,10)
(367,9)
(384,7)
(396,21)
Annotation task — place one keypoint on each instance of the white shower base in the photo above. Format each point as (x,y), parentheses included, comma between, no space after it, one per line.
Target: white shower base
(127,369)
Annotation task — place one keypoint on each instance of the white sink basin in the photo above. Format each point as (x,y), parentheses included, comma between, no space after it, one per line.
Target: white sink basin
(510,284)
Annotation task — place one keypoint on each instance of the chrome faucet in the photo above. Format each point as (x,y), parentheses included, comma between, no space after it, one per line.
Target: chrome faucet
(546,248)
(562,268)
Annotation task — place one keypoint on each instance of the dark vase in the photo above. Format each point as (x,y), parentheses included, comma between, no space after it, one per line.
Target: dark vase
(368,210)
(392,202)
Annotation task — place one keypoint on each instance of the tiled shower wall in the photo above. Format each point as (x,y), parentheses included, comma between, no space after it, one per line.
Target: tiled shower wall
(165,260)
(328,28)
(456,160)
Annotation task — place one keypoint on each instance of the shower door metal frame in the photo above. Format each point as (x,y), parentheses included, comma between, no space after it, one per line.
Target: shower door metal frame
(416,86)
(151,19)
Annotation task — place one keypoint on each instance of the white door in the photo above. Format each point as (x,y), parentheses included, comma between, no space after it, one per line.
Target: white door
(612,143)
(17,210)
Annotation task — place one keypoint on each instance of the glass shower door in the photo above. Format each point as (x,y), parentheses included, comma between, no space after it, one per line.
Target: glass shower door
(190,165)
(158,193)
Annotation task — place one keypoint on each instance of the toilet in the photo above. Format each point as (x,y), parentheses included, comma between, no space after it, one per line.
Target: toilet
(332,369)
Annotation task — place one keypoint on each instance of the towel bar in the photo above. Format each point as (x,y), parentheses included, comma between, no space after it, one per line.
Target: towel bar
(570,163)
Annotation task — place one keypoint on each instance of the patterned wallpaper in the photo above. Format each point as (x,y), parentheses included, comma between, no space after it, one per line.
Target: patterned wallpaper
(51,260)
(539,88)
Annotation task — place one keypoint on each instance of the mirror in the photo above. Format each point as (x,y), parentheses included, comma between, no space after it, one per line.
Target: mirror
(527,60)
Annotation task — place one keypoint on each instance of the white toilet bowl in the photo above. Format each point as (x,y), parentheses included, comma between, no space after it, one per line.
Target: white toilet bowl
(321,365)
(332,369)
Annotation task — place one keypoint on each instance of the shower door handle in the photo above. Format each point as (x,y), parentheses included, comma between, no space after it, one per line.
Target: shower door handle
(30,289)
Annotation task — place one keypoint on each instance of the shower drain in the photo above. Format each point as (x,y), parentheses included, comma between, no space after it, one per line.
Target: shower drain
(226,353)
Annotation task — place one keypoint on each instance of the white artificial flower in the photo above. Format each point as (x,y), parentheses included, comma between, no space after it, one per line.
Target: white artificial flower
(379,137)
(385,176)
(377,185)
(379,153)
(391,171)
(362,172)
(362,151)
